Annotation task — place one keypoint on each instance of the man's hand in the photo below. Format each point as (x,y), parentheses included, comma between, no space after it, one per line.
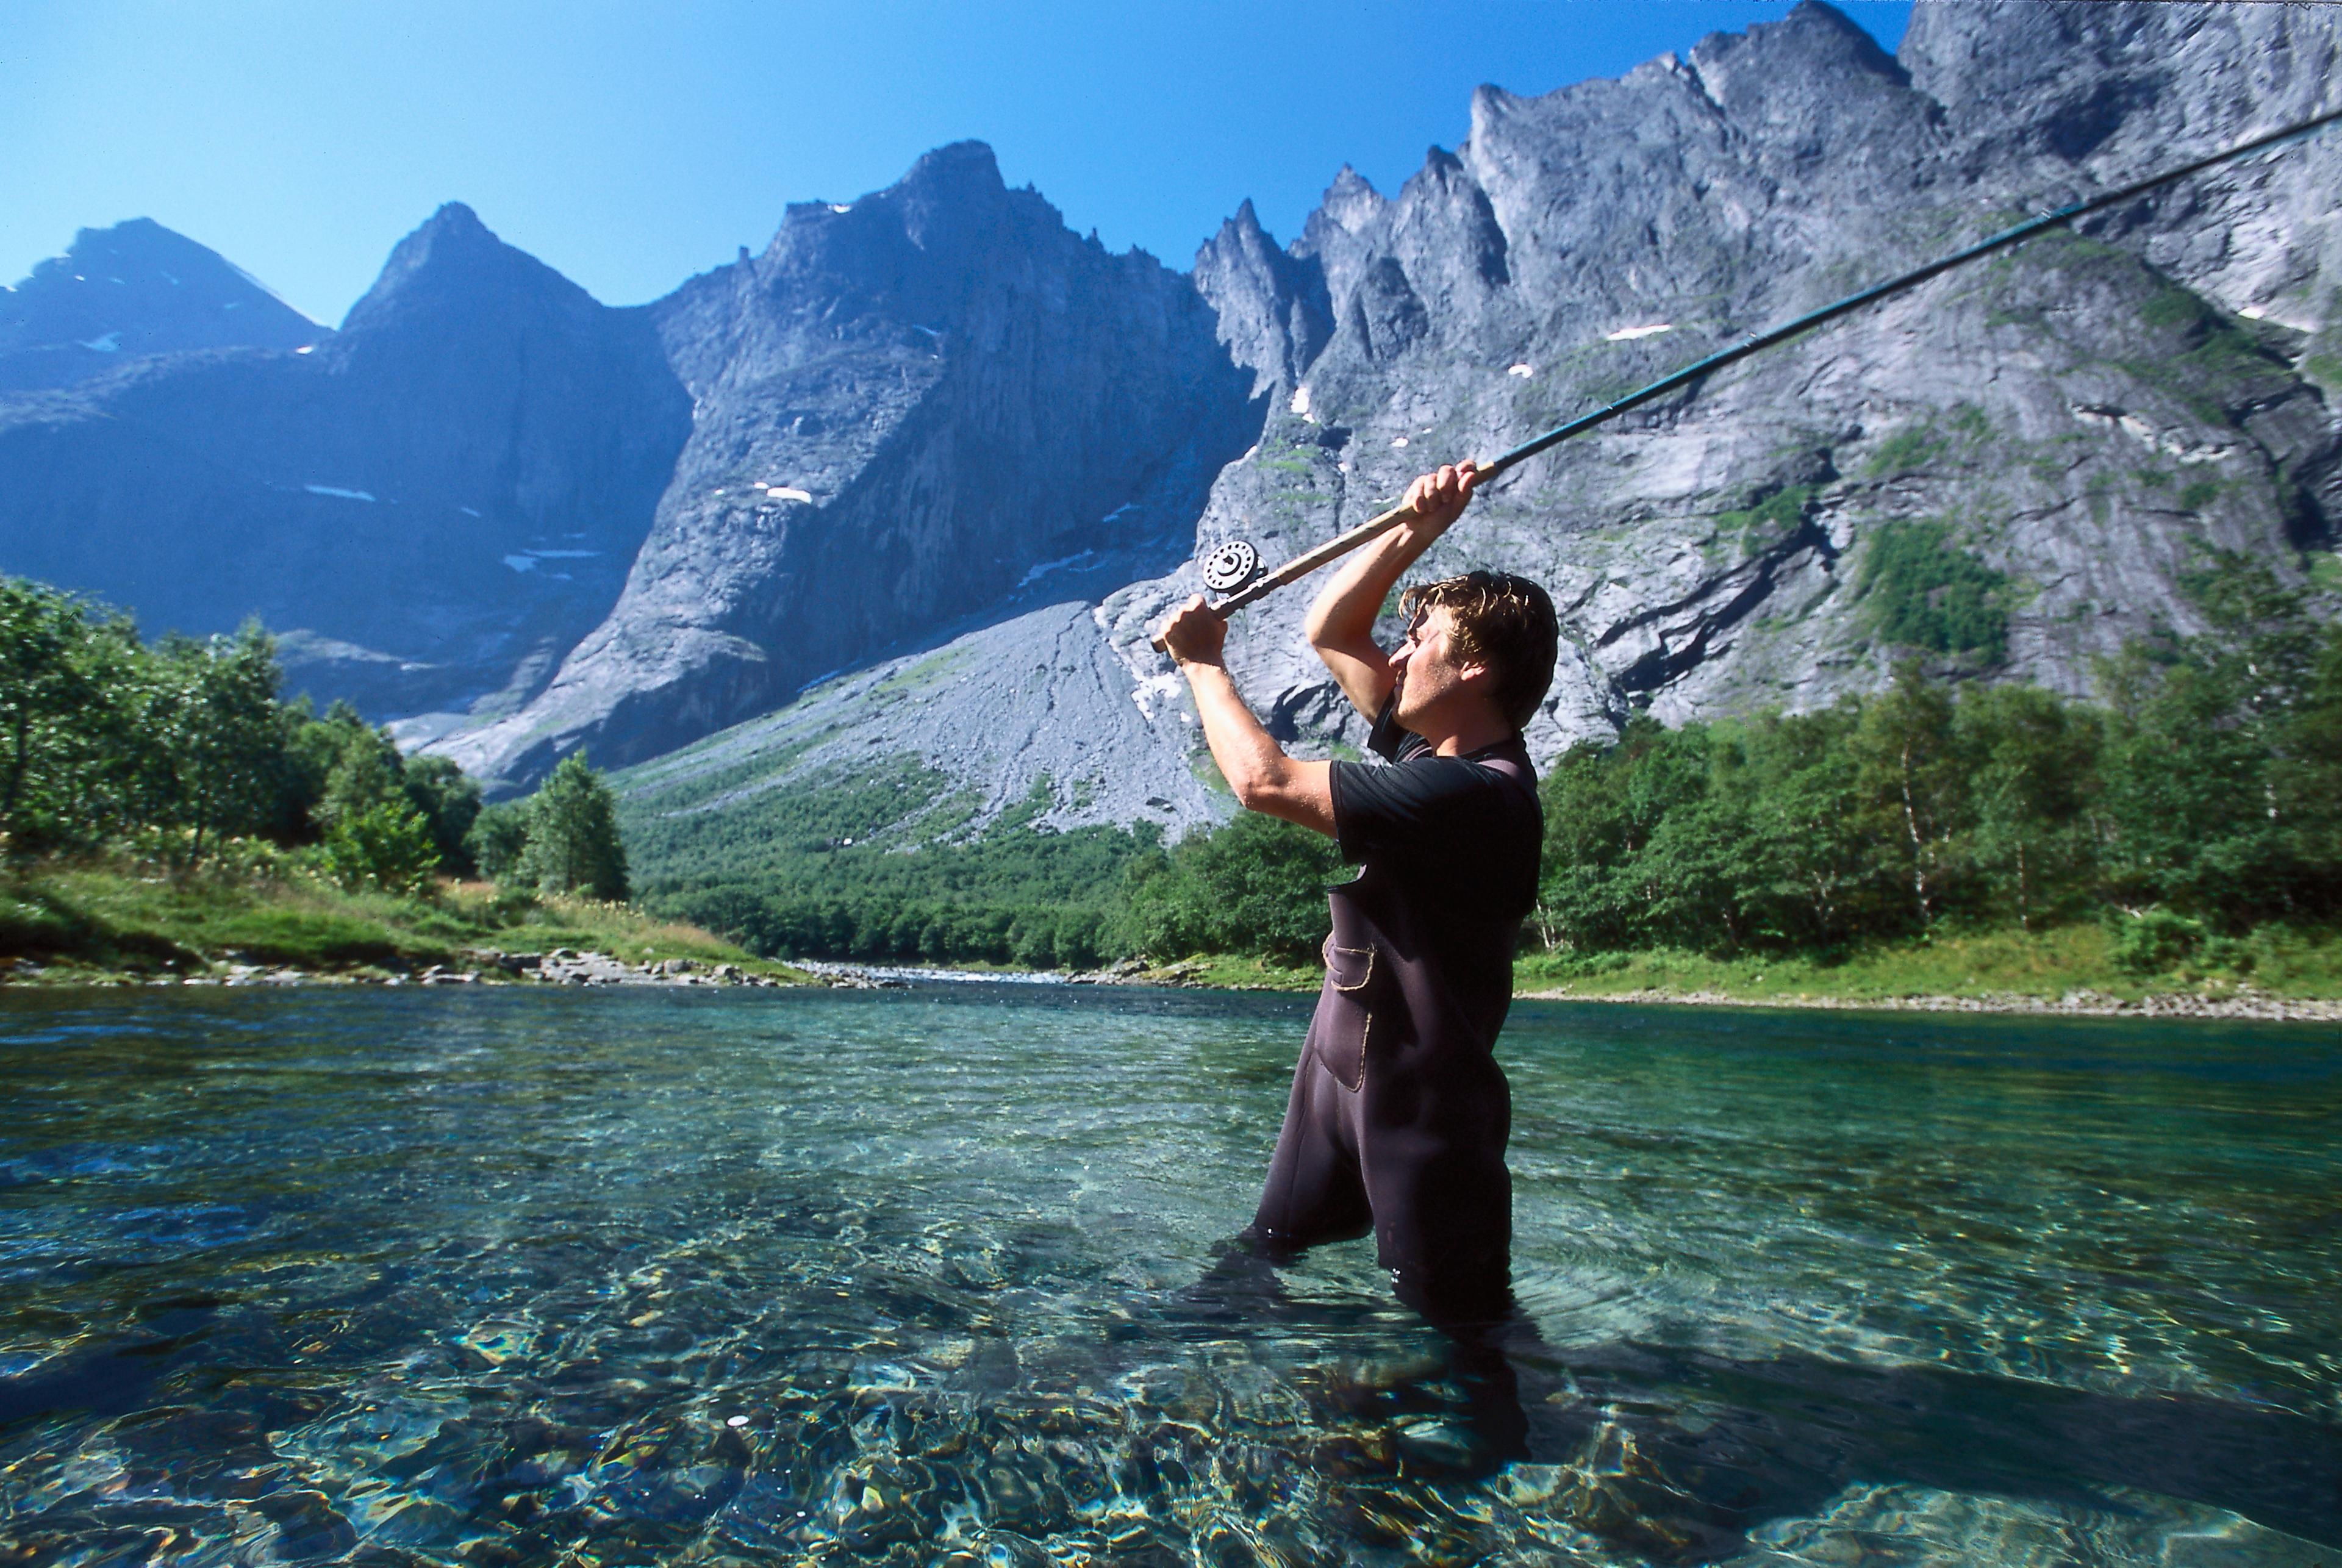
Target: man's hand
(1341,623)
(1193,635)
(1256,768)
(1440,498)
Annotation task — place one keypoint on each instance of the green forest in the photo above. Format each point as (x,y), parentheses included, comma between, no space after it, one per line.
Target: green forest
(180,753)
(2197,802)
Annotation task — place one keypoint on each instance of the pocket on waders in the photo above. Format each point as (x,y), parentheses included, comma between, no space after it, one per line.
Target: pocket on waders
(1345,1012)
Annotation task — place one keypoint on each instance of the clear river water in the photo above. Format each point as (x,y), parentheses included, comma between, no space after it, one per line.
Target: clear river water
(511,1277)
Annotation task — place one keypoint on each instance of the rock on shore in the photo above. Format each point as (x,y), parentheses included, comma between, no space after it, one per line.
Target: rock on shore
(2244,1002)
(476,966)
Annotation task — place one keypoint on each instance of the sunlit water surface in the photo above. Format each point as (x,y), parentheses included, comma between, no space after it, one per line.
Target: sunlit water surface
(912,1276)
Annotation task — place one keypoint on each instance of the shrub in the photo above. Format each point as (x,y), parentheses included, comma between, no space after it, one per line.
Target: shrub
(1925,594)
(2155,940)
(386,845)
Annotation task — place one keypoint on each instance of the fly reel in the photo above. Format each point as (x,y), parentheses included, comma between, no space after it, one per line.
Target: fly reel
(1230,567)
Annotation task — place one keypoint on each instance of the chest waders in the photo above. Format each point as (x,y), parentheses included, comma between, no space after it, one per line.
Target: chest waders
(1399,1114)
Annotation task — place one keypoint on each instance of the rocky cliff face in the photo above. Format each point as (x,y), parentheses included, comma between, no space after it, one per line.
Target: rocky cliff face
(131,290)
(926,405)
(2074,421)
(2065,427)
(432,506)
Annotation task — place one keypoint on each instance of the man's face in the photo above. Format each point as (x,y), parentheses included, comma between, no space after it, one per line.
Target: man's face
(1428,670)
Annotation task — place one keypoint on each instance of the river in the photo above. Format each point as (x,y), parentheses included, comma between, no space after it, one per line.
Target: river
(511,1277)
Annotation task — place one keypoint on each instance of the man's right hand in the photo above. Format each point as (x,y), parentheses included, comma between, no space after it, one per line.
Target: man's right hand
(1193,635)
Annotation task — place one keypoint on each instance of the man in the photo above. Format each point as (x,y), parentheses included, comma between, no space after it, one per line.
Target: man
(1399,1113)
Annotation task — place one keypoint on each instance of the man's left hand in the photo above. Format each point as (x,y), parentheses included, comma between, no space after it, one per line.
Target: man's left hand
(1439,498)
(1193,635)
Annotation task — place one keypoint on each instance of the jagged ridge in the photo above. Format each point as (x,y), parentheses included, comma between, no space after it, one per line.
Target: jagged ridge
(904,408)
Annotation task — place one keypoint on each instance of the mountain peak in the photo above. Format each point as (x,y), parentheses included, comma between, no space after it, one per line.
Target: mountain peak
(1239,234)
(1816,32)
(132,289)
(453,219)
(453,230)
(954,193)
(454,256)
(1351,202)
(955,165)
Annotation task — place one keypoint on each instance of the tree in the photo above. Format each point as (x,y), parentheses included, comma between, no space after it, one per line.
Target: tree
(365,770)
(387,845)
(100,733)
(2308,772)
(45,687)
(1910,779)
(1816,860)
(1602,885)
(2032,764)
(573,835)
(449,803)
(2217,794)
(1697,876)
(374,834)
(207,715)
(1254,885)
(499,836)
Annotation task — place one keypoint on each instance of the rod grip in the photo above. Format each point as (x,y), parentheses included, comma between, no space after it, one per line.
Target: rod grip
(1308,561)
(1221,610)
(1164,648)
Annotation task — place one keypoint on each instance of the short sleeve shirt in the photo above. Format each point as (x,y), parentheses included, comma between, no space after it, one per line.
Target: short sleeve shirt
(1455,839)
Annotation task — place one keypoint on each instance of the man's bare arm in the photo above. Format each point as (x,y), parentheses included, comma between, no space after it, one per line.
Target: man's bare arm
(1341,622)
(1256,768)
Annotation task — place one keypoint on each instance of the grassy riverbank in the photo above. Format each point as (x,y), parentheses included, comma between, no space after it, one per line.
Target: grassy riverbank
(94,920)
(2274,962)
(98,920)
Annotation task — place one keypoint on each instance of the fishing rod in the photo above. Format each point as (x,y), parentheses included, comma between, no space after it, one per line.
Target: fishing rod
(1234,567)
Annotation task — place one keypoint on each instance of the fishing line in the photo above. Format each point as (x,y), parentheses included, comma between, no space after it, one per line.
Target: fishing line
(1236,564)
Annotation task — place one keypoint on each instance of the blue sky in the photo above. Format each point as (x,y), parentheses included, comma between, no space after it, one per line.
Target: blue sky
(631,145)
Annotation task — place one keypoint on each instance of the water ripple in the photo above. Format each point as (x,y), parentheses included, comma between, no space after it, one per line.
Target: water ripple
(937,1276)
